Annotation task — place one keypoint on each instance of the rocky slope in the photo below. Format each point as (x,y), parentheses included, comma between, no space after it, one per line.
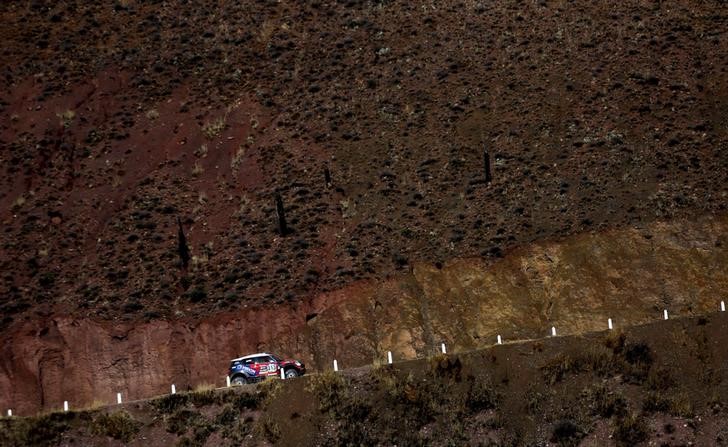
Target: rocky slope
(659,384)
(574,285)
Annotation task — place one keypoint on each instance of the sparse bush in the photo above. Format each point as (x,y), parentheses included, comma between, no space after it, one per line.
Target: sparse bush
(535,399)
(481,395)
(353,428)
(66,118)
(615,341)
(630,430)
(119,425)
(204,395)
(604,403)
(596,361)
(678,405)
(268,429)
(638,353)
(169,403)
(328,388)
(43,430)
(638,358)
(182,420)
(213,129)
(227,416)
(237,431)
(47,279)
(269,389)
(660,379)
(242,400)
(655,402)
(567,433)
(445,366)
(197,294)
(399,388)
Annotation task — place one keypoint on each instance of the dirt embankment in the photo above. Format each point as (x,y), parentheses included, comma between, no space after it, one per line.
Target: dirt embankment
(574,285)
(663,383)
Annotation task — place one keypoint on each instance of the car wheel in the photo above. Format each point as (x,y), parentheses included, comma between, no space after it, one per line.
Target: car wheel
(239,380)
(291,373)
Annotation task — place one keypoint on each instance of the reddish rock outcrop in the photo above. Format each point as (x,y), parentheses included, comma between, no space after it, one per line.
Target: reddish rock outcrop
(575,285)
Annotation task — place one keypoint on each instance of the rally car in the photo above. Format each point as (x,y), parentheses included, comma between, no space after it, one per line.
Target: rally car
(256,367)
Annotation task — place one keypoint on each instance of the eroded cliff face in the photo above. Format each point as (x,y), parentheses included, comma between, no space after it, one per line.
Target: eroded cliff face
(575,284)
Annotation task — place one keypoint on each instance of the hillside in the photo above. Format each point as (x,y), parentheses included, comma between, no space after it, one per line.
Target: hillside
(576,285)
(119,118)
(447,172)
(664,383)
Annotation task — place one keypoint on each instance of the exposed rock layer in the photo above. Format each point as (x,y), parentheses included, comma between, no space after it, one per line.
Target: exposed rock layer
(575,285)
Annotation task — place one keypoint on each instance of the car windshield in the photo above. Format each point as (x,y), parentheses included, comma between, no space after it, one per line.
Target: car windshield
(276,358)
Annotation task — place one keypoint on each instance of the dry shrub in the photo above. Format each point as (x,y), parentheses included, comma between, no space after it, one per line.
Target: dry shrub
(604,403)
(268,390)
(329,389)
(615,340)
(268,429)
(596,360)
(182,420)
(119,425)
(481,395)
(213,129)
(44,430)
(677,405)
(445,366)
(567,433)
(630,430)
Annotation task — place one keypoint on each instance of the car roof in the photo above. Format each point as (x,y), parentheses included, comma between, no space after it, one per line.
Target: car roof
(260,354)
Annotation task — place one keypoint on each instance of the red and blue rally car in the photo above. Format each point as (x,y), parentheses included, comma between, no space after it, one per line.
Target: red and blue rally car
(256,367)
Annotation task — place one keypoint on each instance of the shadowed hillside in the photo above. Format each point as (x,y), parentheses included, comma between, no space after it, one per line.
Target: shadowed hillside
(121,117)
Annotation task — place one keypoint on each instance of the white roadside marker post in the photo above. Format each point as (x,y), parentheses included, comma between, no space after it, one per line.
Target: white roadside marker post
(227,381)
(283,374)
(336,366)
(389,357)
(174,389)
(10,413)
(500,340)
(65,405)
(722,306)
(609,323)
(118,398)
(442,347)
(553,331)
(664,314)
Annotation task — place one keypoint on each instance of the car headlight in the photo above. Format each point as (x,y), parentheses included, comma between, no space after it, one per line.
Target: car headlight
(297,363)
